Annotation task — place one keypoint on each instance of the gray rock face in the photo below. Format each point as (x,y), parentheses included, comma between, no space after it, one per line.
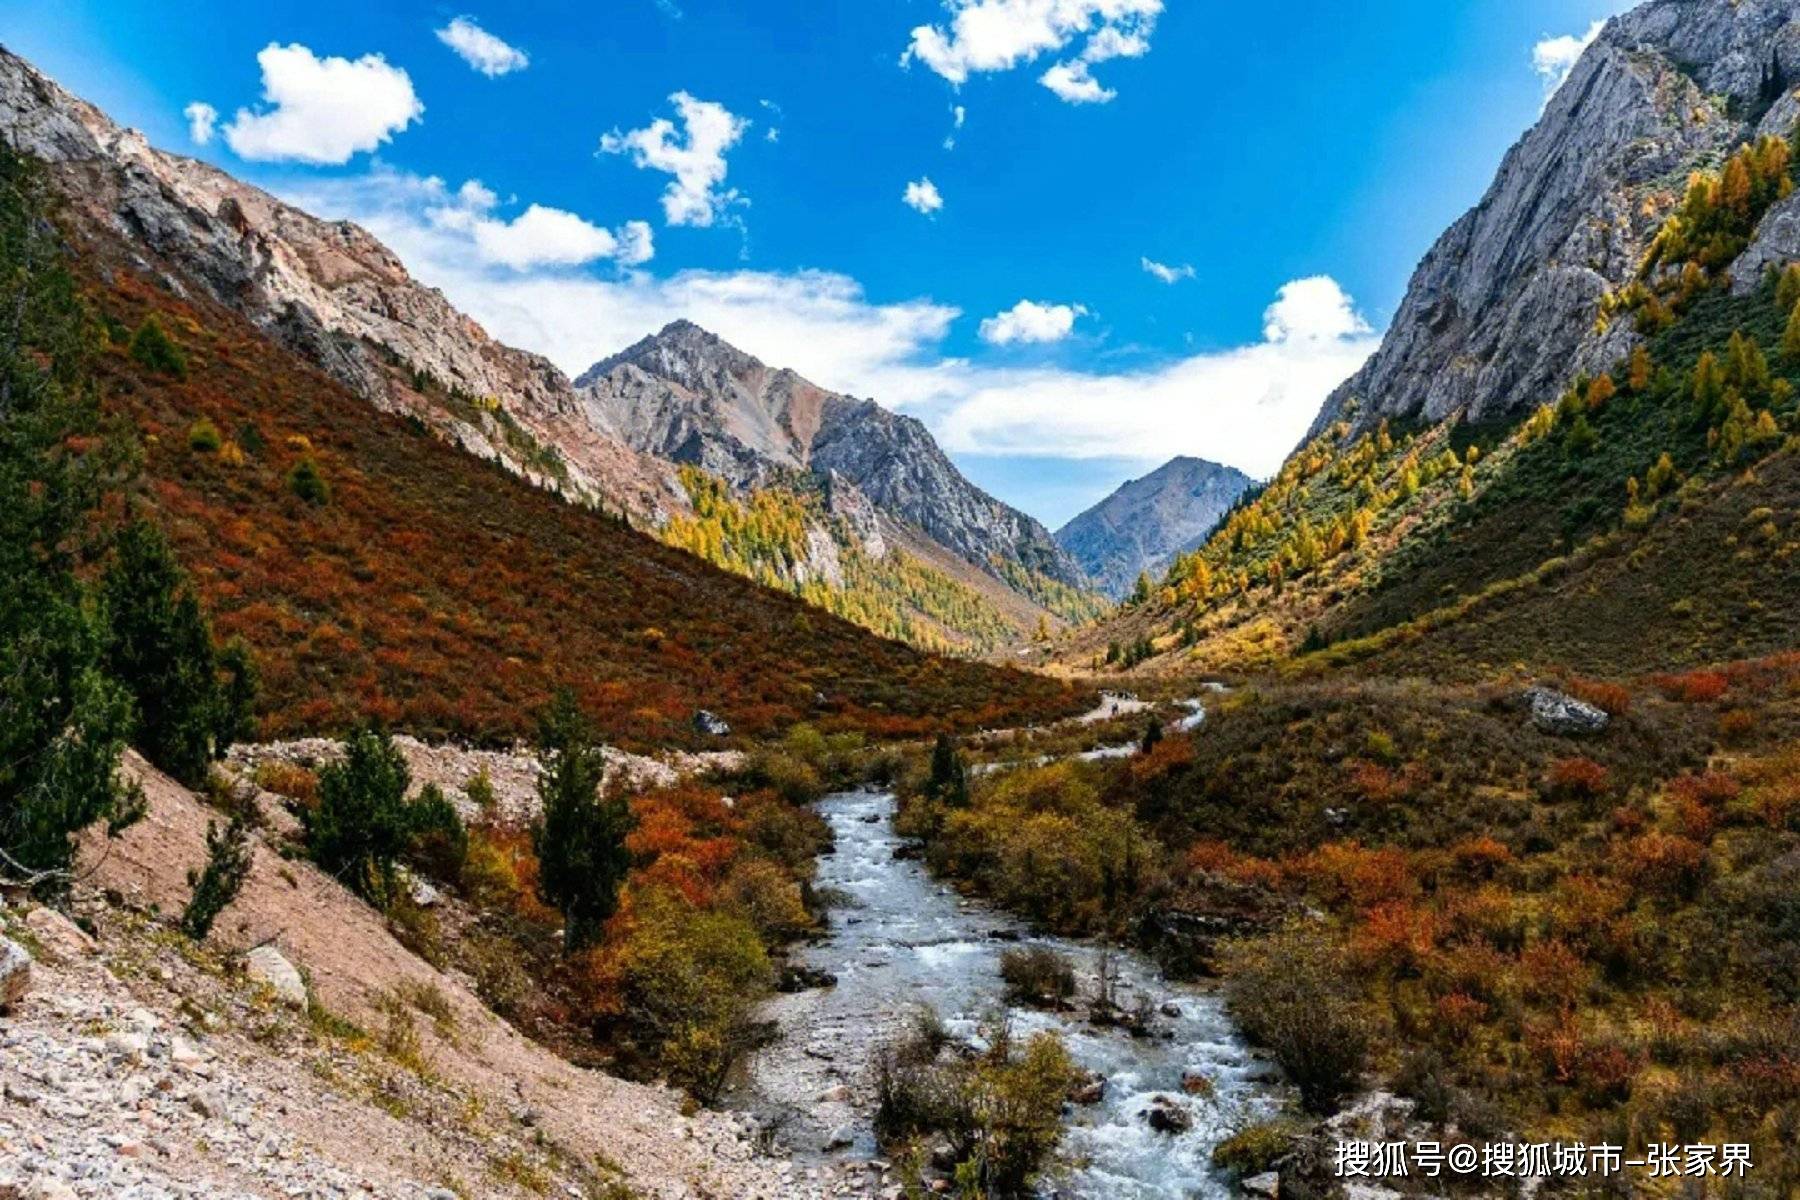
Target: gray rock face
(268,965)
(1147,522)
(687,396)
(15,973)
(327,289)
(1499,315)
(1554,712)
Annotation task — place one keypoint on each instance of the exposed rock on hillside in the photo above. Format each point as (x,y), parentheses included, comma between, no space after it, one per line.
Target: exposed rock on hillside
(1148,521)
(1500,313)
(330,291)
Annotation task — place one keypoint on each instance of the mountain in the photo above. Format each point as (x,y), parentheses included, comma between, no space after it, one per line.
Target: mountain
(1501,311)
(1574,445)
(837,499)
(377,568)
(332,293)
(688,396)
(1146,522)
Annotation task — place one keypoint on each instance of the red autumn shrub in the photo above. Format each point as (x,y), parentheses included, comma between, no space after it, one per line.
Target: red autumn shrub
(1395,935)
(1694,687)
(1736,725)
(1458,1016)
(1610,698)
(1480,857)
(1379,785)
(1553,973)
(1348,872)
(1577,779)
(1663,863)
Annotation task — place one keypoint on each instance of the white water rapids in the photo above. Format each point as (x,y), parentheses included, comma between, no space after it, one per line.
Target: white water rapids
(906,940)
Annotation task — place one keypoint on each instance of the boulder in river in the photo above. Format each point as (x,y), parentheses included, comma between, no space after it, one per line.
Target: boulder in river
(1089,1089)
(1168,1115)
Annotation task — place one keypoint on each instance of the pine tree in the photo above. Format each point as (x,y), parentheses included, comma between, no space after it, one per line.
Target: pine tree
(1790,336)
(192,701)
(63,721)
(1787,288)
(362,822)
(580,837)
(949,780)
(1153,734)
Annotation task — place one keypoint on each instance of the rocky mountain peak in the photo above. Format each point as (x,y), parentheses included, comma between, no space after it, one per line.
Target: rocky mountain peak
(1499,315)
(688,396)
(1144,524)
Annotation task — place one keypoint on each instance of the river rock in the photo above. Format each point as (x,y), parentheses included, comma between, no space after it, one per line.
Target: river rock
(15,973)
(1267,1185)
(1557,713)
(268,965)
(1196,1084)
(1166,1115)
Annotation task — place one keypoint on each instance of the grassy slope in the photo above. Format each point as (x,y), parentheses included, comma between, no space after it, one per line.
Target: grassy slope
(448,597)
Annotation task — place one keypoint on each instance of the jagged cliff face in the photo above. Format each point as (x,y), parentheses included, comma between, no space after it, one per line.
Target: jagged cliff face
(330,291)
(1145,523)
(687,396)
(1499,315)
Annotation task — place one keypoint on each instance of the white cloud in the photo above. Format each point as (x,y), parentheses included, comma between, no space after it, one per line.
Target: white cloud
(1031,321)
(323,109)
(441,224)
(1554,57)
(1071,82)
(201,117)
(1314,309)
(1245,405)
(481,49)
(958,114)
(998,35)
(1165,272)
(922,195)
(696,158)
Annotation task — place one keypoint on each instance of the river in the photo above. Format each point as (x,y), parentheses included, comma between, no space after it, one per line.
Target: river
(904,940)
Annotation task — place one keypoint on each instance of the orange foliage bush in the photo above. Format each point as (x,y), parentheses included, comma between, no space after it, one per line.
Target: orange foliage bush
(1379,785)
(1480,857)
(1209,856)
(1659,862)
(1350,872)
(1736,725)
(1610,698)
(1694,687)
(1577,779)
(1395,935)
(1458,1016)
(1553,973)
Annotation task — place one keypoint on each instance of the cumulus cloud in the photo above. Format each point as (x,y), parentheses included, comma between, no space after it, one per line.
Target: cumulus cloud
(958,114)
(998,35)
(1314,309)
(1165,272)
(481,49)
(201,117)
(1554,57)
(437,223)
(922,195)
(695,158)
(1031,321)
(1246,405)
(322,110)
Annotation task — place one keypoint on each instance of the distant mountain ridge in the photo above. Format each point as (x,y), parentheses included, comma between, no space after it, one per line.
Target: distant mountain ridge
(687,396)
(1146,522)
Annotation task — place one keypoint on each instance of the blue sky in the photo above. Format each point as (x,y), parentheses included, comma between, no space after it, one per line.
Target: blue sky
(1311,147)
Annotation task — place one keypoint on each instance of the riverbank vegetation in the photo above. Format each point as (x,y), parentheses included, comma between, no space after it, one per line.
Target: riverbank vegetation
(1529,935)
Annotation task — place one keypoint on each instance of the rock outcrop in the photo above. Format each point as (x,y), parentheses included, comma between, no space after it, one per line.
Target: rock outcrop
(687,396)
(332,292)
(1499,315)
(1145,523)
